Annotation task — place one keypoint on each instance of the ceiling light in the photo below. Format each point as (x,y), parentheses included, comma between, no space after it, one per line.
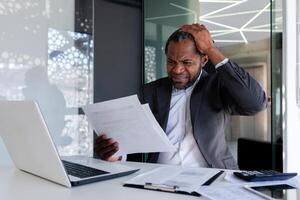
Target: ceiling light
(222,9)
(243,36)
(167,16)
(218,1)
(253,18)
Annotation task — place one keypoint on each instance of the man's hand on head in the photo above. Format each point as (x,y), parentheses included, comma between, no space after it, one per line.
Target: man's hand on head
(201,36)
(106,147)
(204,42)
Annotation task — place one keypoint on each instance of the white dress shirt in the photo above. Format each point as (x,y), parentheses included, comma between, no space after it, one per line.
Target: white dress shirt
(180,131)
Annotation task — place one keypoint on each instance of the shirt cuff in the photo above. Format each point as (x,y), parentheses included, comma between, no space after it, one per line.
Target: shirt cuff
(223,62)
(123,157)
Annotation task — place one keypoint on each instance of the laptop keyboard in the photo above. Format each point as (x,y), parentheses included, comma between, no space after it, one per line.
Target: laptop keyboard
(81,171)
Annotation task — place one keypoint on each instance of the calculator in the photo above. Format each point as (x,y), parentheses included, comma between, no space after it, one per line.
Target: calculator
(263,175)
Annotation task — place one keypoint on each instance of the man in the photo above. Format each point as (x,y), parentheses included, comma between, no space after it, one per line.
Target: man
(193,106)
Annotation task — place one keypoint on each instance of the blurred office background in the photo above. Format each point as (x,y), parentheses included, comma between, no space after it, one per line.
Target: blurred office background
(46,54)
(66,54)
(243,31)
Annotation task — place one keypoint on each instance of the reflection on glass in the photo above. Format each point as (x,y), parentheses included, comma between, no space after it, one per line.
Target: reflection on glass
(50,99)
(47,56)
(70,66)
(77,128)
(150,64)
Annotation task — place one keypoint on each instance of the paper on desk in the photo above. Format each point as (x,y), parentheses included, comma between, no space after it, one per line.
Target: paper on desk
(187,179)
(129,123)
(232,192)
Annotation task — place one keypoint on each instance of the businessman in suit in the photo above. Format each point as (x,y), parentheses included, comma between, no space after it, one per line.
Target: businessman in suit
(193,106)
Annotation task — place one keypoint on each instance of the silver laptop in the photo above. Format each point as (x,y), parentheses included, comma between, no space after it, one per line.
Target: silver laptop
(31,148)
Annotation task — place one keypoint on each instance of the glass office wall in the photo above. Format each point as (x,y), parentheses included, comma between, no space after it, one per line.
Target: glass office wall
(161,18)
(241,30)
(46,55)
(276,80)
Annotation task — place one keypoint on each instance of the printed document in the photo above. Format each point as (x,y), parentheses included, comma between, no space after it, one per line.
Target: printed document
(129,123)
(231,192)
(184,179)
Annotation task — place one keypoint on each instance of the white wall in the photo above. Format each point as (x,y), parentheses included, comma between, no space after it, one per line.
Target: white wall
(291,112)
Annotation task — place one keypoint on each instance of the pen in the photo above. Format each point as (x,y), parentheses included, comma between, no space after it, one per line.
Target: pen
(168,188)
(163,187)
(212,179)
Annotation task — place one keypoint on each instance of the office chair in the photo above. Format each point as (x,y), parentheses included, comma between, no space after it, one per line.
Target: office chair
(259,155)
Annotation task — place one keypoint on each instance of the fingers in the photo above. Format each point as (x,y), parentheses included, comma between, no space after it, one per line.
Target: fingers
(193,28)
(109,154)
(105,147)
(114,158)
(109,150)
(102,141)
(201,36)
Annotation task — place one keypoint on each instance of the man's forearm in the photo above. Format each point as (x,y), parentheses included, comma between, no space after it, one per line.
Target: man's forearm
(214,55)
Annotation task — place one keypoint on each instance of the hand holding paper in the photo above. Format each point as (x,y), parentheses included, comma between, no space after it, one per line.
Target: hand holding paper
(129,123)
(105,148)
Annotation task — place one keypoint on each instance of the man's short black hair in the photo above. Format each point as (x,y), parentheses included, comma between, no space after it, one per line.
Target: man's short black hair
(179,36)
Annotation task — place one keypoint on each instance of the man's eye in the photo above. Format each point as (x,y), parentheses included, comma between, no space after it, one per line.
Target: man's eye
(187,63)
(170,62)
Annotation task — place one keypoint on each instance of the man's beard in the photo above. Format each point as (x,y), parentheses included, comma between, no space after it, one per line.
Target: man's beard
(190,82)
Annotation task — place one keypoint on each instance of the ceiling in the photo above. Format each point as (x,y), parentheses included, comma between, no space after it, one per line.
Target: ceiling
(229,21)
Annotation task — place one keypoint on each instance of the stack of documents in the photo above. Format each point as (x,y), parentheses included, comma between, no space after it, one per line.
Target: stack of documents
(205,182)
(186,180)
(129,123)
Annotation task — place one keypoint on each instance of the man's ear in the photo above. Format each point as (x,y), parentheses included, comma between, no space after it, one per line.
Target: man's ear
(203,60)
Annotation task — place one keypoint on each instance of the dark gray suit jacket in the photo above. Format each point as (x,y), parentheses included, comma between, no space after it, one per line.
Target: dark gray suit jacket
(230,90)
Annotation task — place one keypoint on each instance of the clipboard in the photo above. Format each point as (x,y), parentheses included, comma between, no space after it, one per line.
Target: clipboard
(170,188)
(161,188)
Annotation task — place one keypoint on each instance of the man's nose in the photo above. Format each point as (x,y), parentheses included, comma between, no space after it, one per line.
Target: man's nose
(178,69)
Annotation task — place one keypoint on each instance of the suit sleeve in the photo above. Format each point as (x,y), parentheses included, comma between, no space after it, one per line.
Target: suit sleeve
(243,94)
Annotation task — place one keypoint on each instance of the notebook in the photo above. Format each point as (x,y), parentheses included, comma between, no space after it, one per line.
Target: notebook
(29,144)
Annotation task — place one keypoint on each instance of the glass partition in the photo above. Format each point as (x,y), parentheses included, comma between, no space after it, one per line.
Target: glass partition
(46,55)
(161,19)
(276,80)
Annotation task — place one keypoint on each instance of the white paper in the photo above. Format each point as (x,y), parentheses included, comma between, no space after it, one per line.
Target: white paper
(129,123)
(186,179)
(232,192)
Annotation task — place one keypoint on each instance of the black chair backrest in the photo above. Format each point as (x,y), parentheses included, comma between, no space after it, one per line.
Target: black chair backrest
(259,155)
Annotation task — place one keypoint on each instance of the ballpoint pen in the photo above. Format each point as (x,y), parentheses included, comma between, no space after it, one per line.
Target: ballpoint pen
(212,179)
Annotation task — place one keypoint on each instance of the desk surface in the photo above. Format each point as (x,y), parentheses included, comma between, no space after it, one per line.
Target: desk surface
(15,185)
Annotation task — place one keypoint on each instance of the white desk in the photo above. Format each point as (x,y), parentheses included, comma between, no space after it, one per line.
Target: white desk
(18,185)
